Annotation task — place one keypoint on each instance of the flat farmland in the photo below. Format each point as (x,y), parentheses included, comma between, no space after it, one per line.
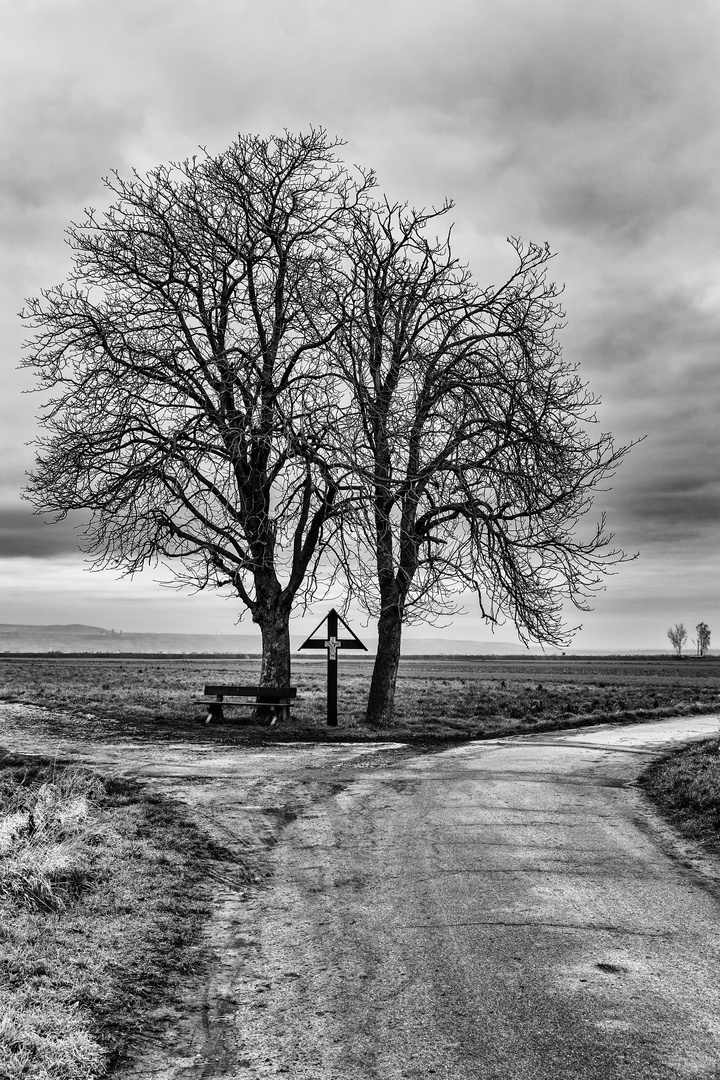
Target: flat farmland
(437,697)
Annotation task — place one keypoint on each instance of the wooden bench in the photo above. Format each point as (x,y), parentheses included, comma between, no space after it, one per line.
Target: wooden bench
(276,698)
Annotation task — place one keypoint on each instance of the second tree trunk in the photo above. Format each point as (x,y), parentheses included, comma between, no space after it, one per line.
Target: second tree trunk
(384,677)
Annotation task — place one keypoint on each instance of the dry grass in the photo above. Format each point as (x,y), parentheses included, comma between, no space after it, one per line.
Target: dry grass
(686,787)
(52,839)
(102,898)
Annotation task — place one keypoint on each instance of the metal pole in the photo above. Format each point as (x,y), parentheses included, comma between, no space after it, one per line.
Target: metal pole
(332,625)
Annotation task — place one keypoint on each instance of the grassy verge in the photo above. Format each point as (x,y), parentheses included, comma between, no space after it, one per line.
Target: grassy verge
(686,787)
(102,898)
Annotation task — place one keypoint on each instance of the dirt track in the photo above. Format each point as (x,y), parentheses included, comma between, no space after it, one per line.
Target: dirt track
(502,909)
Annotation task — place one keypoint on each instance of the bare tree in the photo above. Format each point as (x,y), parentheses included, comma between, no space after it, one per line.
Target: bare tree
(678,637)
(468,437)
(702,642)
(186,356)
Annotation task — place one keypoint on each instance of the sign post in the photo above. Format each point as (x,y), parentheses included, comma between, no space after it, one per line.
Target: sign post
(332,643)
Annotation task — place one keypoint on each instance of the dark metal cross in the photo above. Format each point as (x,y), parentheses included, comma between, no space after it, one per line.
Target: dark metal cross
(332,643)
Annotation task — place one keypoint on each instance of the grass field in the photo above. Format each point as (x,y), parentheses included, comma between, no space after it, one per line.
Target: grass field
(437,698)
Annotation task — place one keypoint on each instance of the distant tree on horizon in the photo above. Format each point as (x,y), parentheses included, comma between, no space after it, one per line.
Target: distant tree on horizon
(678,637)
(702,641)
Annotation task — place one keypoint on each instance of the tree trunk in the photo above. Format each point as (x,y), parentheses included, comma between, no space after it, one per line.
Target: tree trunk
(275,669)
(379,711)
(272,615)
(275,631)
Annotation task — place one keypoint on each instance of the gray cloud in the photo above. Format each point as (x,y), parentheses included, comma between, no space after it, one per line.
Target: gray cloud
(23,534)
(661,516)
(594,126)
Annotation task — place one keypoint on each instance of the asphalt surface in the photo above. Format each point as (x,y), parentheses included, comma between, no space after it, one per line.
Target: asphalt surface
(510,909)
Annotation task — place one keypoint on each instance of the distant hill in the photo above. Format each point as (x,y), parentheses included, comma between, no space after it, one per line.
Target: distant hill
(76,637)
(460,647)
(51,628)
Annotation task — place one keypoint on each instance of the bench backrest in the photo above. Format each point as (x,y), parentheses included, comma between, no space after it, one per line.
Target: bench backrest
(271,693)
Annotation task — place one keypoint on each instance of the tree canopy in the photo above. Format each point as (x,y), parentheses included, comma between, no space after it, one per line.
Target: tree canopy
(702,641)
(678,636)
(262,376)
(186,356)
(468,435)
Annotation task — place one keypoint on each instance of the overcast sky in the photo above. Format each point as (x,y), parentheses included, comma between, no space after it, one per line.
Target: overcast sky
(594,127)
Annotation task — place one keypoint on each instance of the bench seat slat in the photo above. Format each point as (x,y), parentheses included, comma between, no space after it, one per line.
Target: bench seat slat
(272,693)
(230,704)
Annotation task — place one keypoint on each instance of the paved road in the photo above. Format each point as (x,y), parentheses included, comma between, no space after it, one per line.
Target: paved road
(510,909)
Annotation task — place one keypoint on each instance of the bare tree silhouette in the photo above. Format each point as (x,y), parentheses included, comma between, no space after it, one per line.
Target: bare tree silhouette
(702,642)
(185,356)
(678,637)
(468,436)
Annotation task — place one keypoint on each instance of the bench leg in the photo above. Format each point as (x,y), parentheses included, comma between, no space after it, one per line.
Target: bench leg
(267,712)
(215,713)
(280,712)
